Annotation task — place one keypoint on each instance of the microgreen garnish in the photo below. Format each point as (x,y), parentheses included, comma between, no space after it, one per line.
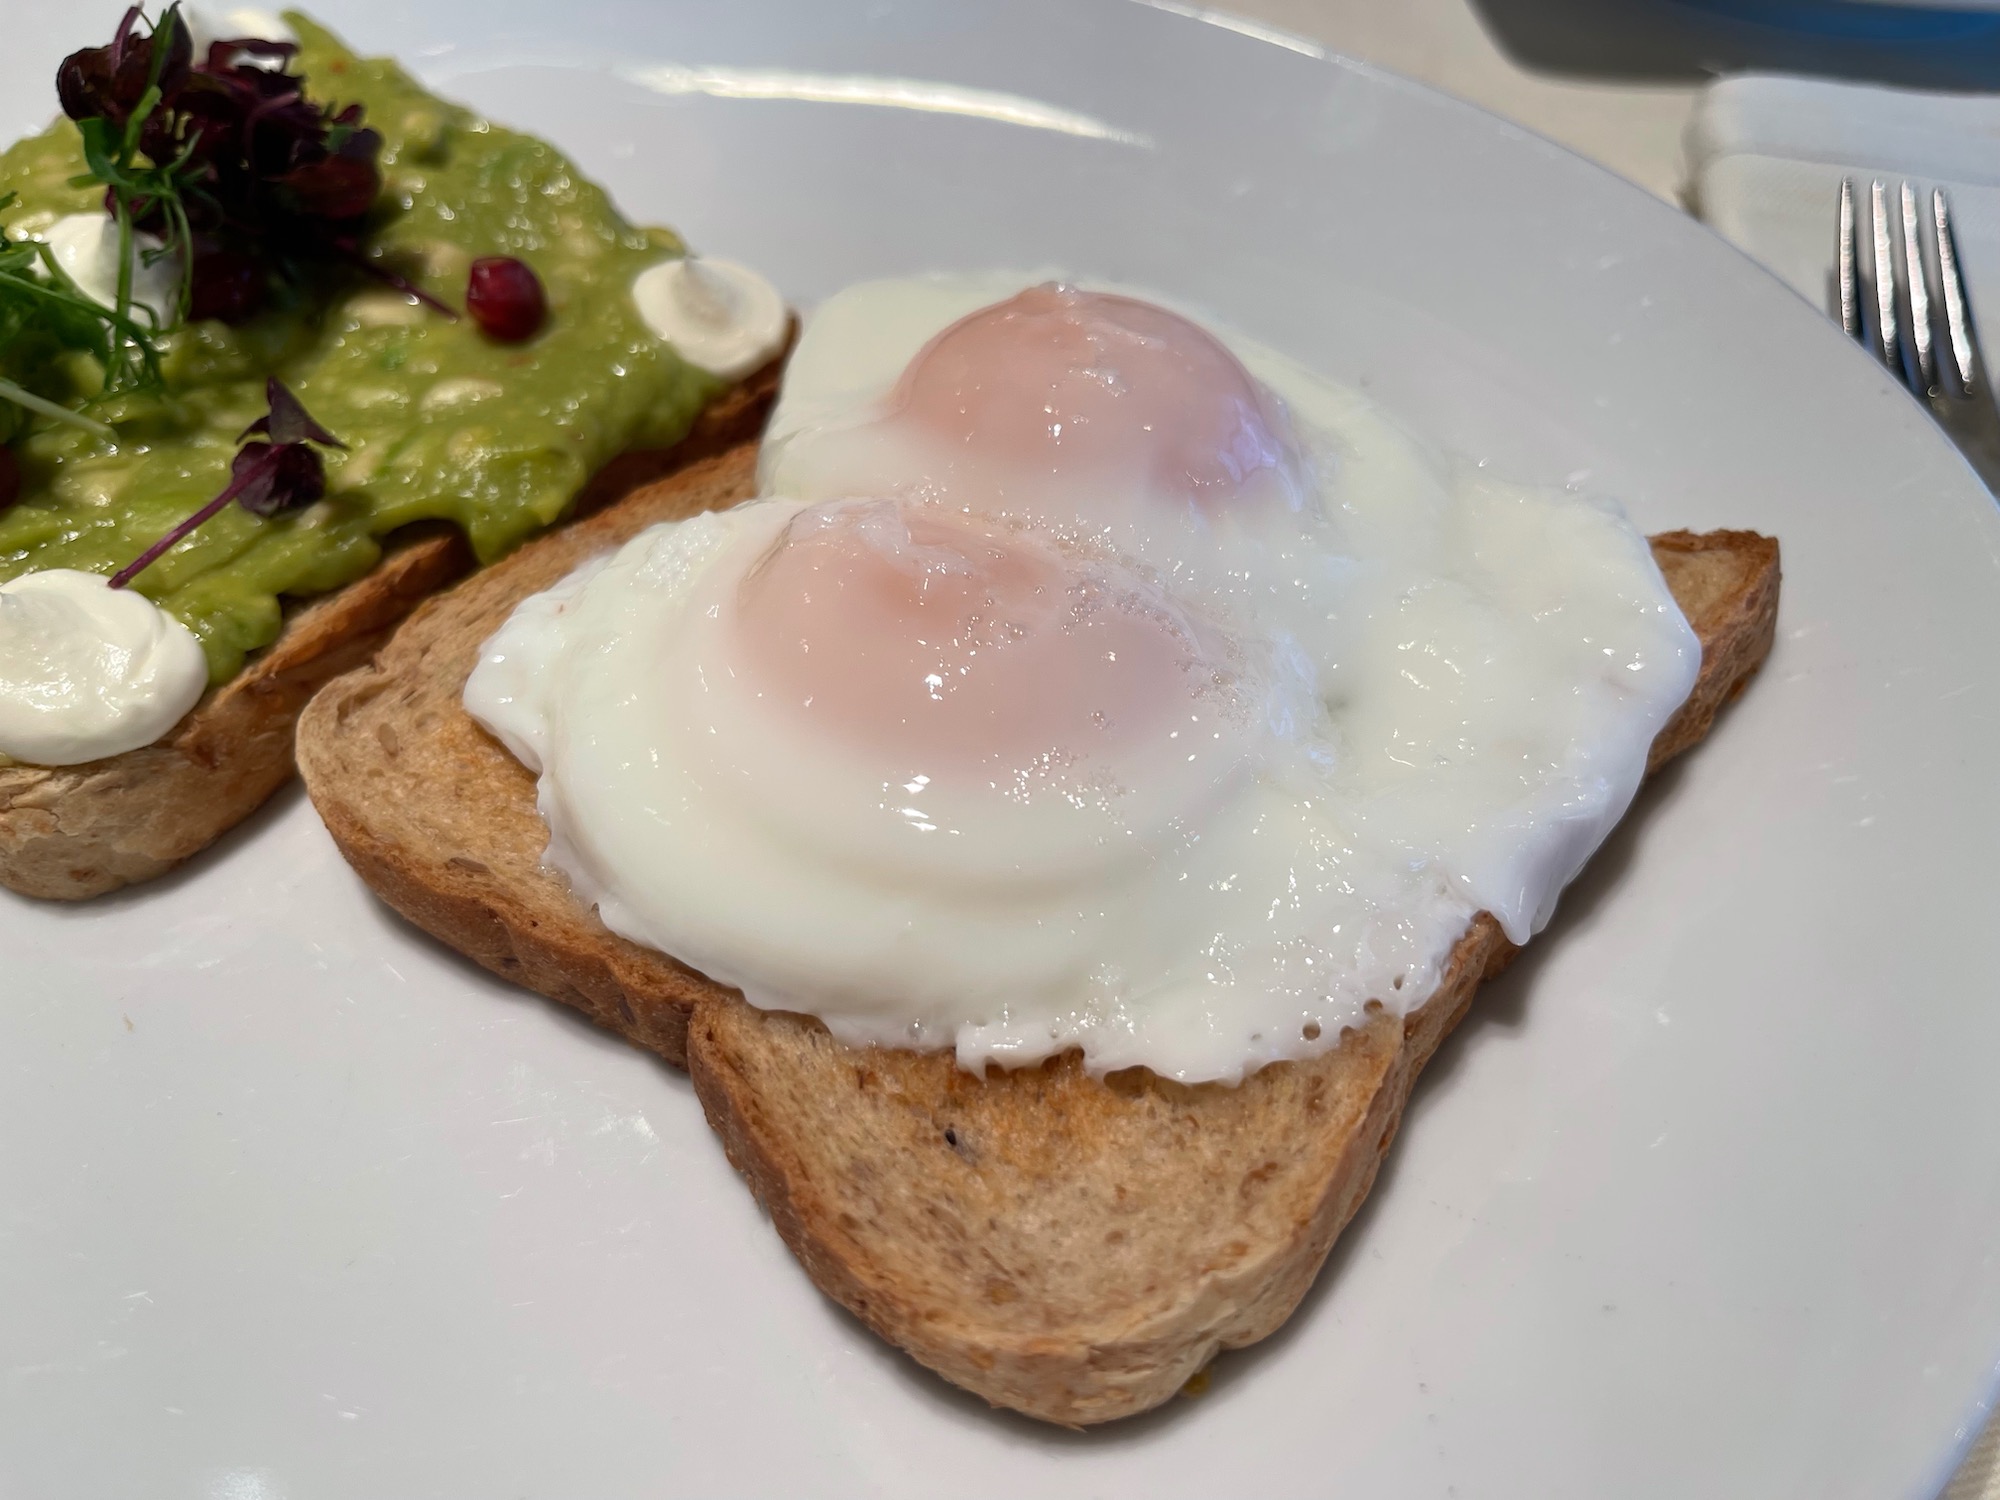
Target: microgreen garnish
(114,94)
(267,478)
(42,313)
(234,174)
(229,164)
(27,400)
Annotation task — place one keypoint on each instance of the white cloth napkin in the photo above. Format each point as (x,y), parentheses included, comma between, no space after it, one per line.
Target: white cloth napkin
(1766,155)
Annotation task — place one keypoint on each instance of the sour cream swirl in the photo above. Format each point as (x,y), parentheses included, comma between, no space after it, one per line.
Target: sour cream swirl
(88,671)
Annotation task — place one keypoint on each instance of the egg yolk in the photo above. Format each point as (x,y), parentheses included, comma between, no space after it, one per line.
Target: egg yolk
(895,624)
(1103,388)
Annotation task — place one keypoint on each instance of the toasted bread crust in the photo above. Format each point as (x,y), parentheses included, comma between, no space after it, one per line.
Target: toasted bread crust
(1727,585)
(377,746)
(1068,1247)
(71,832)
(1076,1249)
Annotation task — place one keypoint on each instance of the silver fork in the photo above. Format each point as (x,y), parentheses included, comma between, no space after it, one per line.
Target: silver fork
(1926,341)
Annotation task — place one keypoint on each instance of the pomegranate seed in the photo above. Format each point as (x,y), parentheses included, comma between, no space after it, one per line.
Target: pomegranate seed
(10,477)
(505,298)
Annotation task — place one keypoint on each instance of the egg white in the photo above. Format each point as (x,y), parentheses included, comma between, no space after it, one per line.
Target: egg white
(1433,694)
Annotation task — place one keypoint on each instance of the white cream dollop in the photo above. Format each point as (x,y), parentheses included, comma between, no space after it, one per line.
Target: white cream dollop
(87,670)
(86,247)
(206,27)
(720,317)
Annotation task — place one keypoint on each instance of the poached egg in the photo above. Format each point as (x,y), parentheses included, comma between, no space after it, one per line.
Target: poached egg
(1085,677)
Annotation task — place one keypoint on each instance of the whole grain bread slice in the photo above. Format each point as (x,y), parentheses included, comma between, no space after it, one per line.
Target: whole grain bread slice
(441,821)
(70,832)
(1076,1249)
(1069,1247)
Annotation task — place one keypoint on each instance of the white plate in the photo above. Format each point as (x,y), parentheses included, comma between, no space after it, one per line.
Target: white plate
(1705,1197)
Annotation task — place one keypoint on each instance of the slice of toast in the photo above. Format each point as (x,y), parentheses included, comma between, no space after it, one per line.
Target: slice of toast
(441,821)
(70,832)
(1071,1248)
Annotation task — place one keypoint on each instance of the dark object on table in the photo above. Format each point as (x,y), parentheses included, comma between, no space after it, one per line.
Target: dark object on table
(1914,46)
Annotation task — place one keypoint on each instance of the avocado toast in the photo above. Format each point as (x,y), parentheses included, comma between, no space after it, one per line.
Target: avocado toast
(456,446)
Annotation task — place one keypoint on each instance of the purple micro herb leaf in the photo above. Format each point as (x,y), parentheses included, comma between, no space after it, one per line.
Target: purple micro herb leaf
(265,478)
(278,477)
(287,421)
(108,83)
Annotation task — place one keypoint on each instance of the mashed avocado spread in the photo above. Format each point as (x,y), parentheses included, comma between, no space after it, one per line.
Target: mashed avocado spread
(440,422)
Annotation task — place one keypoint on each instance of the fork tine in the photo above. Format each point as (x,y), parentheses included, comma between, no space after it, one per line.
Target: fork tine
(1885,280)
(1958,327)
(1849,253)
(1920,296)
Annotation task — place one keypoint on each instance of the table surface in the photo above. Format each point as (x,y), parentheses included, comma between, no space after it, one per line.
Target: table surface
(1634,129)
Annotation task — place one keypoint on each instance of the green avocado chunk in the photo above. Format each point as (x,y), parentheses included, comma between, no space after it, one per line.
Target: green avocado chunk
(440,422)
